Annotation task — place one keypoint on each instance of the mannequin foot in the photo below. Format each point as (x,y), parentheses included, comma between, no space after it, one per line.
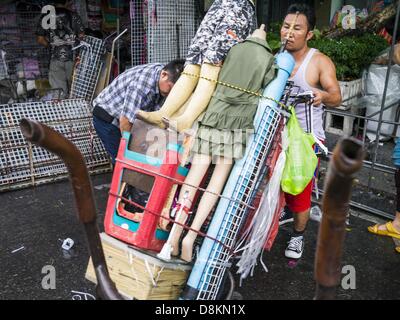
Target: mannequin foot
(178,126)
(175,250)
(151,117)
(187,248)
(174,241)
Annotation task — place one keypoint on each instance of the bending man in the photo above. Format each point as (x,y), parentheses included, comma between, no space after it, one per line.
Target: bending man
(143,87)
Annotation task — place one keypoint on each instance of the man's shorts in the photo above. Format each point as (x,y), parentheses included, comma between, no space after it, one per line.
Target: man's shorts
(301,202)
(226,23)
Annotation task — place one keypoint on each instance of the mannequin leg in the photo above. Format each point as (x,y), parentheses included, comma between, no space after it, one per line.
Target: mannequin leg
(208,201)
(179,94)
(200,99)
(182,109)
(199,168)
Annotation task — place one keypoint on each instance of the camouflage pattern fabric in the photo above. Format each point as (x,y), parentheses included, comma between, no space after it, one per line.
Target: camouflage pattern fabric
(226,23)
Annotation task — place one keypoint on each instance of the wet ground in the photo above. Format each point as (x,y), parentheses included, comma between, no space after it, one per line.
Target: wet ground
(35,221)
(374,188)
(373,258)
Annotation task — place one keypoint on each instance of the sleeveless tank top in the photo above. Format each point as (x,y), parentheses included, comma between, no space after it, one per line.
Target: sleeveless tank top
(299,80)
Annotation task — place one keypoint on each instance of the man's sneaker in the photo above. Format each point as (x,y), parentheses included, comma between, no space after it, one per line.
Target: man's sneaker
(316,214)
(295,248)
(286,216)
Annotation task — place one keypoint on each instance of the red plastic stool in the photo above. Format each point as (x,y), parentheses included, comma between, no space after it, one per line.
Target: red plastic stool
(119,224)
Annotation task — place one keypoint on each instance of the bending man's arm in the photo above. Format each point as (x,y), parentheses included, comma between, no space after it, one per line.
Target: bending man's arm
(330,94)
(124,124)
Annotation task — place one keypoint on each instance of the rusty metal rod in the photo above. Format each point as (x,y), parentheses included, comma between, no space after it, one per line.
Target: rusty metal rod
(347,159)
(54,142)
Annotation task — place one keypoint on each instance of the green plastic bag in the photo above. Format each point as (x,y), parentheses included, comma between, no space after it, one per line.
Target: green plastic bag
(301,160)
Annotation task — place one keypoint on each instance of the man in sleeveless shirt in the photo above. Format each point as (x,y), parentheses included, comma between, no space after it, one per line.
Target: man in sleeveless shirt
(316,72)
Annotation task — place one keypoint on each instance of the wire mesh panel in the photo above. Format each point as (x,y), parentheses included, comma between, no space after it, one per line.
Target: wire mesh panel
(171,27)
(162,30)
(87,71)
(23,164)
(187,23)
(138,15)
(26,59)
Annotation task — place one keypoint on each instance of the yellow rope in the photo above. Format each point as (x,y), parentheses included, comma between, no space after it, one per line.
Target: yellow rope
(282,105)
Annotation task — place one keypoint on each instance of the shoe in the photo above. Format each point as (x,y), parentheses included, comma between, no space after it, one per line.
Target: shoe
(389,232)
(295,248)
(316,214)
(286,216)
(397,249)
(348,223)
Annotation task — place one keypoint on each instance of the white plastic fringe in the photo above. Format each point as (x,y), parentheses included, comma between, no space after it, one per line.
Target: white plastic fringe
(253,240)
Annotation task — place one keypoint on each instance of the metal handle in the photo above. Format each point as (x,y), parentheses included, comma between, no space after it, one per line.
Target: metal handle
(47,138)
(346,161)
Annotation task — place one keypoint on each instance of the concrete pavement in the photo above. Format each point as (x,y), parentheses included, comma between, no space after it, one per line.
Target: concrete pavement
(34,222)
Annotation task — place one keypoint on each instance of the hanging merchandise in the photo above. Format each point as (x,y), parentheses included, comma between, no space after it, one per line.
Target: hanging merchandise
(26,59)
(30,68)
(301,159)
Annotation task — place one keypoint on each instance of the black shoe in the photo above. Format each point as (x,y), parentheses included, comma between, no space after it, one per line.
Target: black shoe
(286,216)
